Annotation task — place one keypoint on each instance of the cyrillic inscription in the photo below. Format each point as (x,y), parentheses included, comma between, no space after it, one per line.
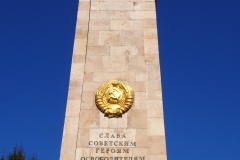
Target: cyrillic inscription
(110,144)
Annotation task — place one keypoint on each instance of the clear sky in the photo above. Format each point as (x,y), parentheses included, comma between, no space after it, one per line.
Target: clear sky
(200,68)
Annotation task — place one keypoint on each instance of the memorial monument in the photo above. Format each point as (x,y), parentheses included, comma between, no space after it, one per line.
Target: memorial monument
(114,108)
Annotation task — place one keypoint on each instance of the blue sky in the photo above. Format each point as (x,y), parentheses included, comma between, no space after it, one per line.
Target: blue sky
(200,55)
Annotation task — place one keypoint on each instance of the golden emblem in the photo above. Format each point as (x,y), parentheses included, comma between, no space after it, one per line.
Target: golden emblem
(114,98)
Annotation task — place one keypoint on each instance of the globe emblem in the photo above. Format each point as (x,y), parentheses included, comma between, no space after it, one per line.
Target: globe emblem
(114,98)
(114,95)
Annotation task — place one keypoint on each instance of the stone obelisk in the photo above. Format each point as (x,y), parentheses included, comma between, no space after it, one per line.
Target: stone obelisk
(115,40)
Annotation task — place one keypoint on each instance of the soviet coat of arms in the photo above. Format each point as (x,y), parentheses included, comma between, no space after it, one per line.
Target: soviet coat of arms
(114,98)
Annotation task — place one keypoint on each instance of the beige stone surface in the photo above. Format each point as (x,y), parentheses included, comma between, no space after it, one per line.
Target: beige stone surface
(93,38)
(149,6)
(83,23)
(77,71)
(115,39)
(96,14)
(122,76)
(67,157)
(83,152)
(123,50)
(81,33)
(140,48)
(109,38)
(88,100)
(136,15)
(134,38)
(93,63)
(116,5)
(148,0)
(89,119)
(83,14)
(83,5)
(155,127)
(153,72)
(137,64)
(73,108)
(98,50)
(154,95)
(74,94)
(68,145)
(99,25)
(140,152)
(141,76)
(140,100)
(149,23)
(75,84)
(118,15)
(122,122)
(142,138)
(91,86)
(71,126)
(79,47)
(116,0)
(103,121)
(154,108)
(122,25)
(150,33)
(137,6)
(157,145)
(138,25)
(133,119)
(115,64)
(156,157)
(152,59)
(83,137)
(95,5)
(138,86)
(78,59)
(88,77)
(118,124)
(151,46)
(153,85)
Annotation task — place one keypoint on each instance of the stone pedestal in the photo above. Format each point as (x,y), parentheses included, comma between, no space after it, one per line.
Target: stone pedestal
(115,39)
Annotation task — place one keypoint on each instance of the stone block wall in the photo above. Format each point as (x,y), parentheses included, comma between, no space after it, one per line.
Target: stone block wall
(115,39)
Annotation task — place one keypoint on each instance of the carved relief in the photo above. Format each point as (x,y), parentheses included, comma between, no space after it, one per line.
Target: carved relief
(114,98)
